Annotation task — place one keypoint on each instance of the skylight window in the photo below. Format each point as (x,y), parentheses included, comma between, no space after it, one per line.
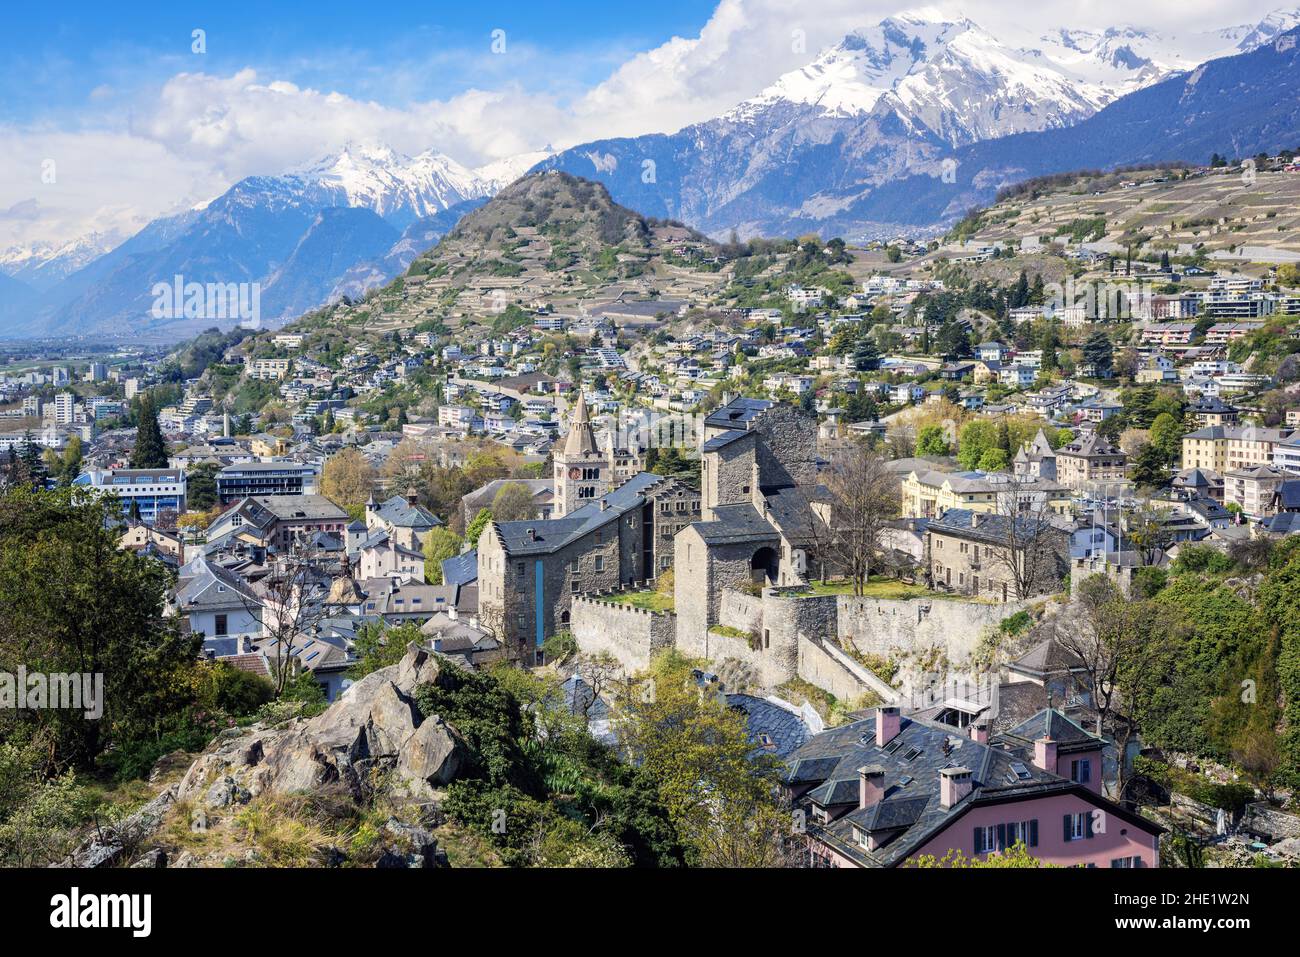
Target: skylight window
(1020,771)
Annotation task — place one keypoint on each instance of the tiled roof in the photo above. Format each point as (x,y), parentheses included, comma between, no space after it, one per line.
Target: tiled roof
(550,535)
(910,813)
(737,413)
(736,523)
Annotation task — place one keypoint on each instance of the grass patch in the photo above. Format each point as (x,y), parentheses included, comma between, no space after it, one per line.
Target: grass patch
(646,600)
(882,587)
(726,631)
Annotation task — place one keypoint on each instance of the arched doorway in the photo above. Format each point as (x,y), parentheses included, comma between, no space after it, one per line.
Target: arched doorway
(765,566)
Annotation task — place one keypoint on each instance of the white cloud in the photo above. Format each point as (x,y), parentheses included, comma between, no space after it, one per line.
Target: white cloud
(199,133)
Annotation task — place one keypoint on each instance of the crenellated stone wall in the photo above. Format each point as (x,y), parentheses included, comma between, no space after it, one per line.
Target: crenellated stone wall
(894,628)
(632,636)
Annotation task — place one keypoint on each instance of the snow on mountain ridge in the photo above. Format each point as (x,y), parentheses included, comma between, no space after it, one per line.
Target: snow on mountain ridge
(957,80)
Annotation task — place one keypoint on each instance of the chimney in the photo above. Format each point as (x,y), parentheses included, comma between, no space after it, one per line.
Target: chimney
(1045,754)
(954,784)
(974,519)
(979,732)
(887,724)
(411,496)
(532,534)
(871,786)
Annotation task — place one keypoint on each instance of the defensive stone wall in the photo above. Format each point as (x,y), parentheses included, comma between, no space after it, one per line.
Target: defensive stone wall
(632,636)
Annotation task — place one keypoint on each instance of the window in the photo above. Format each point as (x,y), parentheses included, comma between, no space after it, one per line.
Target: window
(223,625)
(1126,862)
(573,586)
(1081,770)
(600,563)
(519,569)
(1078,826)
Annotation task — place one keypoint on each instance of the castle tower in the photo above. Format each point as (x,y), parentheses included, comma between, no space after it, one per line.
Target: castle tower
(582,471)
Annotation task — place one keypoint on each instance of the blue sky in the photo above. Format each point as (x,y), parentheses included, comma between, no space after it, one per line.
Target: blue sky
(138,126)
(54,57)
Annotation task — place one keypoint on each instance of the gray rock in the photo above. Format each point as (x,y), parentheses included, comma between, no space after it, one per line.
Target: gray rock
(375,727)
(409,846)
(227,791)
(112,844)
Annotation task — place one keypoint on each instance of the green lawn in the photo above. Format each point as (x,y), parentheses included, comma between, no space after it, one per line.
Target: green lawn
(649,600)
(881,587)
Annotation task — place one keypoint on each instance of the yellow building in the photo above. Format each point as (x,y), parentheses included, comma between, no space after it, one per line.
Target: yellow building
(1226,448)
(928,493)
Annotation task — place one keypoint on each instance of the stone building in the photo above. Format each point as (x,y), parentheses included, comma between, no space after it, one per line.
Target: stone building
(1037,459)
(583,473)
(529,572)
(764,519)
(996,556)
(1090,458)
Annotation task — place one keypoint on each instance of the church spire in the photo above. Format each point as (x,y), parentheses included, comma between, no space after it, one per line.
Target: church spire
(581,440)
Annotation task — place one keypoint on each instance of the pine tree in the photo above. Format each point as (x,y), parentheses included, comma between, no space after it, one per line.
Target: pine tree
(866,356)
(1099,353)
(150,450)
(30,461)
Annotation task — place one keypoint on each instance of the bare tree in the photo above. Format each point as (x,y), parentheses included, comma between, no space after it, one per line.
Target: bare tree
(1030,548)
(1123,646)
(1148,531)
(865,496)
(290,603)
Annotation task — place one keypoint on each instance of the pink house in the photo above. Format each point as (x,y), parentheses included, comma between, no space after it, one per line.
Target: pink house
(887,790)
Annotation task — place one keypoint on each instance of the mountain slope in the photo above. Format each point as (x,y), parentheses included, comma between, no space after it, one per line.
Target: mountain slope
(876,108)
(324,254)
(1240,105)
(279,231)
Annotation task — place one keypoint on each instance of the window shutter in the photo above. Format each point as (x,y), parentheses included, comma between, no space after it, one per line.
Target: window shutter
(1138,862)
(1002,837)
(1033,833)
(1085,771)
(1087,824)
(979,840)
(1067,826)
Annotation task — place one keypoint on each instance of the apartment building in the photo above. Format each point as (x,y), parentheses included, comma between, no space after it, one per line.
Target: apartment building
(1226,448)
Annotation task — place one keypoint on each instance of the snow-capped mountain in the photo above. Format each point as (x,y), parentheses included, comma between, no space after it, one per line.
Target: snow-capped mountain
(397,188)
(881,104)
(949,77)
(42,265)
(1252,36)
(335,226)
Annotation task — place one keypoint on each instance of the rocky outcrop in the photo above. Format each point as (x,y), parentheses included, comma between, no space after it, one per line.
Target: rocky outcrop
(374,736)
(116,844)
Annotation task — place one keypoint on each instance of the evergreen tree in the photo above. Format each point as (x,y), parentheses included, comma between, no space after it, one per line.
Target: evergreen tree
(866,357)
(150,450)
(1019,292)
(1099,353)
(31,464)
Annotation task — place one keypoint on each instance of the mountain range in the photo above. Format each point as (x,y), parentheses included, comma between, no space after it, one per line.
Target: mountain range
(338,226)
(885,104)
(898,127)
